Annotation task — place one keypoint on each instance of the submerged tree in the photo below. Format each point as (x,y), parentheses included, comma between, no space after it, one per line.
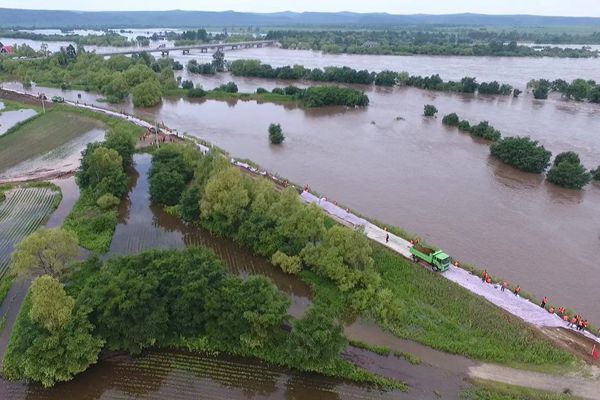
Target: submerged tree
(276,135)
(429,110)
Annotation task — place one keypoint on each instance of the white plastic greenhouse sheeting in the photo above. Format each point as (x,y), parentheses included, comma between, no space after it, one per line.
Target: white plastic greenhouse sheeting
(515,305)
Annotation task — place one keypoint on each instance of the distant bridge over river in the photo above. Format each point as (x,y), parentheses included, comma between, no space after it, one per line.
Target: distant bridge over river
(204,48)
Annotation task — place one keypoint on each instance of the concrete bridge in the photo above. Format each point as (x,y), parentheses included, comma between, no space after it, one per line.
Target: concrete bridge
(204,48)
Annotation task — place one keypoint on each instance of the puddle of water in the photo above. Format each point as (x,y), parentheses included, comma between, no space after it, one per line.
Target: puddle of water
(8,119)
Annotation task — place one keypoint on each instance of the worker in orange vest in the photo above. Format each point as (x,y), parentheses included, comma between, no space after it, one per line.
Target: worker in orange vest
(484,276)
(561,310)
(566,319)
(517,290)
(488,279)
(543,305)
(573,322)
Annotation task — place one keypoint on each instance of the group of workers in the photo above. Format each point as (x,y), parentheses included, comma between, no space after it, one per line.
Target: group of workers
(576,322)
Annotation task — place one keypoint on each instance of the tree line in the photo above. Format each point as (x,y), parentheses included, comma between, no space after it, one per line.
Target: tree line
(528,155)
(255,68)
(578,89)
(396,42)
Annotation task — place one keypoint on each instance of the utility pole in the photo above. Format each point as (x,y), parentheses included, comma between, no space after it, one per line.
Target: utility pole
(43,104)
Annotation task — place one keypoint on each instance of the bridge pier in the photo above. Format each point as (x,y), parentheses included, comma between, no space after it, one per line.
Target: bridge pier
(203,50)
(164,52)
(259,45)
(186,51)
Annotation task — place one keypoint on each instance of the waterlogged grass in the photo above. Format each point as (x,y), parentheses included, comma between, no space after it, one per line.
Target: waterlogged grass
(447,317)
(93,226)
(225,96)
(384,351)
(41,134)
(21,213)
(483,390)
(276,355)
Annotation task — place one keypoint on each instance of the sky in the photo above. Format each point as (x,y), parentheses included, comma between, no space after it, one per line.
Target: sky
(581,8)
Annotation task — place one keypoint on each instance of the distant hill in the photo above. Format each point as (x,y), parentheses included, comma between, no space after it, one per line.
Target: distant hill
(11,18)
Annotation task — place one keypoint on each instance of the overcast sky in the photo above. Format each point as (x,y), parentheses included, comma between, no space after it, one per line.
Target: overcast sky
(590,8)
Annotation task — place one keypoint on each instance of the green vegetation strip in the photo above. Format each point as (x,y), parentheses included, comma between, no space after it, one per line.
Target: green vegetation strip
(484,390)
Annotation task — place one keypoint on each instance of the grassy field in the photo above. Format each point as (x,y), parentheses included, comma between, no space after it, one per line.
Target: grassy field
(41,134)
(447,317)
(497,391)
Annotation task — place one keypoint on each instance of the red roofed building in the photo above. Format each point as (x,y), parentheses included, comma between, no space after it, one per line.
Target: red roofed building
(6,50)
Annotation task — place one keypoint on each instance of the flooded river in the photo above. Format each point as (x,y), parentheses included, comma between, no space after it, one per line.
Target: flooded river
(388,162)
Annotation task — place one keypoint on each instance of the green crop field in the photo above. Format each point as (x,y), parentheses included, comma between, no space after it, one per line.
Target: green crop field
(41,134)
(22,212)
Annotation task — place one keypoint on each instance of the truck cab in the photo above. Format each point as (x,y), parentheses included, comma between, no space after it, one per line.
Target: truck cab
(441,260)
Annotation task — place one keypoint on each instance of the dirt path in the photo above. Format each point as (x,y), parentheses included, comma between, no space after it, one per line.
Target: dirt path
(584,387)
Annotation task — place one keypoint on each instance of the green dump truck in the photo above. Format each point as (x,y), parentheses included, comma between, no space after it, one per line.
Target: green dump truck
(58,99)
(438,260)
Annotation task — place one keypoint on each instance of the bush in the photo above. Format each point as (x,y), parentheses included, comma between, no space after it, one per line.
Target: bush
(451,119)
(229,87)
(107,201)
(278,91)
(517,92)
(568,172)
(276,135)
(464,125)
(146,94)
(288,264)
(318,96)
(429,110)
(187,84)
(522,153)
(196,92)
(261,90)
(596,174)
(486,131)
(168,175)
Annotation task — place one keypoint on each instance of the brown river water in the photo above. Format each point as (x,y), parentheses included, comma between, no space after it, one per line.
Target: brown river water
(388,162)
(183,375)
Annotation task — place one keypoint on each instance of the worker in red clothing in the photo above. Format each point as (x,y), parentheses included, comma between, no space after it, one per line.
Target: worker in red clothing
(484,276)
(488,279)
(566,319)
(544,302)
(517,290)
(573,322)
(561,310)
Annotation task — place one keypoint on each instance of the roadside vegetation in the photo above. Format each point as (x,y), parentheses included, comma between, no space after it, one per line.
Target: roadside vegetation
(467,42)
(349,275)
(484,390)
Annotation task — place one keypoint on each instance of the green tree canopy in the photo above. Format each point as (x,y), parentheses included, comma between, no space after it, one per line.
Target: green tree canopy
(568,172)
(102,171)
(146,94)
(51,341)
(522,153)
(123,143)
(47,250)
(276,134)
(225,200)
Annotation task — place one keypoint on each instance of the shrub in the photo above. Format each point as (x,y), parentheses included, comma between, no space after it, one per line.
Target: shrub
(486,131)
(288,264)
(464,125)
(517,92)
(276,135)
(568,172)
(429,110)
(278,91)
(196,92)
(451,119)
(596,174)
(107,201)
(229,87)
(146,94)
(187,84)
(522,153)
(261,90)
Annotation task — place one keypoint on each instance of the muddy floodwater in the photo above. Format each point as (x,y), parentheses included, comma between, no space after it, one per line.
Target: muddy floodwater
(144,225)
(389,162)
(8,119)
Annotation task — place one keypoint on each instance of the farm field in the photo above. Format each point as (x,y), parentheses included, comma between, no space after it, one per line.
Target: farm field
(42,134)
(21,213)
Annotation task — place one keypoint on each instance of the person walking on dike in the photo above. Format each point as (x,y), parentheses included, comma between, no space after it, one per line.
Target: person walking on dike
(504,286)
(484,276)
(517,290)
(543,305)
(387,235)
